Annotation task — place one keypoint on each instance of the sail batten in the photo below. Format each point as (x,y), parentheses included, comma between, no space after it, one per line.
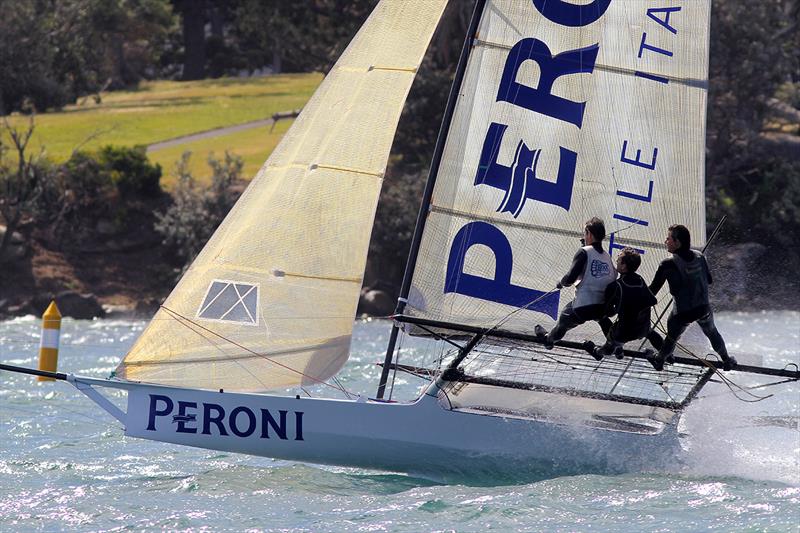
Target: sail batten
(270,300)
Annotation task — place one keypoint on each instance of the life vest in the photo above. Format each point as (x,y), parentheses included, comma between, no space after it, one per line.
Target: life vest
(598,273)
(693,291)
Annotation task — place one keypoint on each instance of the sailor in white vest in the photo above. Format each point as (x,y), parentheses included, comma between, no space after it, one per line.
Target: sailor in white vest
(593,270)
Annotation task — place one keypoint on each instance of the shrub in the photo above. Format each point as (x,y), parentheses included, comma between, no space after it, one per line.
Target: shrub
(130,171)
(196,212)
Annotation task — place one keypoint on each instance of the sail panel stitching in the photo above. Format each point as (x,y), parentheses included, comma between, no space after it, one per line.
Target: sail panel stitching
(690,82)
(315,166)
(527,226)
(412,70)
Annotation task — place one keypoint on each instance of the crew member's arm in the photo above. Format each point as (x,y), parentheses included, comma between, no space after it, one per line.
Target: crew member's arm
(659,278)
(612,298)
(577,268)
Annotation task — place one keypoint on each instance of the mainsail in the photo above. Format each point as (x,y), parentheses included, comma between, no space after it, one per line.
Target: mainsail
(566,112)
(270,300)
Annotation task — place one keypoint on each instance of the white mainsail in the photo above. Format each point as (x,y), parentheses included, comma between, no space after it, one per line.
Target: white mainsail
(270,300)
(566,112)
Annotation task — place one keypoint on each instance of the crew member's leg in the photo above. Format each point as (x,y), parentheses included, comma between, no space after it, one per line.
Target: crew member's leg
(567,320)
(676,325)
(706,323)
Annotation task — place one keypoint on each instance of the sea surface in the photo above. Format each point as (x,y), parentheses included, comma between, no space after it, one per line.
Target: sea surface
(66,466)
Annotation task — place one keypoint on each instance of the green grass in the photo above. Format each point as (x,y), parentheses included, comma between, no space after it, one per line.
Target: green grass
(252,145)
(163,110)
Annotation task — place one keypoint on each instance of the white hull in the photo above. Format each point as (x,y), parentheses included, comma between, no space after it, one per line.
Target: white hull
(420,438)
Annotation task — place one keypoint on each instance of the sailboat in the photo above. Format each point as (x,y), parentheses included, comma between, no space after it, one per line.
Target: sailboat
(558,112)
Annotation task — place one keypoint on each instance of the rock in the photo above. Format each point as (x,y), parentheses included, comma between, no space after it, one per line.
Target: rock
(375,302)
(17,248)
(71,304)
(146,308)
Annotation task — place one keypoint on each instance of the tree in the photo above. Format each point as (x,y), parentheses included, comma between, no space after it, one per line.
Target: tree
(20,183)
(54,51)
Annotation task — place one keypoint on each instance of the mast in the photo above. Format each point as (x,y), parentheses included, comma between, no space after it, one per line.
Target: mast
(452,98)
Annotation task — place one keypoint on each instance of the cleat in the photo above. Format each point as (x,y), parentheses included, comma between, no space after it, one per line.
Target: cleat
(729,363)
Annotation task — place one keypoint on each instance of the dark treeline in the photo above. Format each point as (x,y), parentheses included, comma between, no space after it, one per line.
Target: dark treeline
(55,52)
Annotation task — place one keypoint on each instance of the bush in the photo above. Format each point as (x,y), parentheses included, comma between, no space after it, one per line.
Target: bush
(195,214)
(130,171)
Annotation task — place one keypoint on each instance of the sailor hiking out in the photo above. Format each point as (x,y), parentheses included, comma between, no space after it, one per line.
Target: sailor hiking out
(688,277)
(631,300)
(593,270)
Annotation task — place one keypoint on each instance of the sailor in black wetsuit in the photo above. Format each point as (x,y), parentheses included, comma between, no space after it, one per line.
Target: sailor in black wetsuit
(630,299)
(688,277)
(593,269)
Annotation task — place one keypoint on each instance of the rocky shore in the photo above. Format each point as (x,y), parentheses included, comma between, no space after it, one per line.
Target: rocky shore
(125,276)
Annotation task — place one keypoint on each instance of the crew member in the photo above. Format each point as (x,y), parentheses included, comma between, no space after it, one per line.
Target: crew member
(688,277)
(630,299)
(593,269)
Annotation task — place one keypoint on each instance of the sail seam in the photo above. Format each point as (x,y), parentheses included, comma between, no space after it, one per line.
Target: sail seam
(230,358)
(412,70)
(691,82)
(346,169)
(524,225)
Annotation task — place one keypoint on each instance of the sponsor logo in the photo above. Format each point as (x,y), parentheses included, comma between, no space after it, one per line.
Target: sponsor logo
(240,421)
(599,269)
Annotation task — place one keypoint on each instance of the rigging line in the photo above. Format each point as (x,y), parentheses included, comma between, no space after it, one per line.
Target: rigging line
(752,387)
(264,356)
(182,320)
(732,385)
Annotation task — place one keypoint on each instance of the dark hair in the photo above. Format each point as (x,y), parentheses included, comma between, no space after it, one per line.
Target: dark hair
(681,233)
(631,259)
(596,228)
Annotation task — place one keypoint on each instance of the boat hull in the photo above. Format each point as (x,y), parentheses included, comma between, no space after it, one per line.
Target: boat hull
(422,438)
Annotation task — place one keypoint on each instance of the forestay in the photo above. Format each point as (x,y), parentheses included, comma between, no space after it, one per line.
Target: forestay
(565,112)
(270,300)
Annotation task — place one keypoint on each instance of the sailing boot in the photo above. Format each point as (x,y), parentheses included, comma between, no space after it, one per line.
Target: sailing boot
(619,353)
(729,363)
(543,338)
(593,350)
(655,359)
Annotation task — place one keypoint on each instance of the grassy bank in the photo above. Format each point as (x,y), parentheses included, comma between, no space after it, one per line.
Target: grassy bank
(163,110)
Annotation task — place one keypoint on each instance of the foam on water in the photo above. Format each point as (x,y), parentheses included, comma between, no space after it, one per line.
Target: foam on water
(64,465)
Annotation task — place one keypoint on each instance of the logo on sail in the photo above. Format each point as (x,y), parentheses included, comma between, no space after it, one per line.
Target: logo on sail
(230,301)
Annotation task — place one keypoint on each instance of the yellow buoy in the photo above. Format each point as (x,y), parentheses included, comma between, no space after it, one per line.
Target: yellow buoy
(48,347)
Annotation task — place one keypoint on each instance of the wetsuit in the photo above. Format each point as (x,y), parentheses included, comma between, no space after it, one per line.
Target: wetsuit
(630,299)
(688,277)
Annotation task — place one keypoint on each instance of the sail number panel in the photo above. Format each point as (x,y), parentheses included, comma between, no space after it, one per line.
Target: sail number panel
(230,301)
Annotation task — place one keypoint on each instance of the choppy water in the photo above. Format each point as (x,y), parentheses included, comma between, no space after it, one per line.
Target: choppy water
(64,464)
